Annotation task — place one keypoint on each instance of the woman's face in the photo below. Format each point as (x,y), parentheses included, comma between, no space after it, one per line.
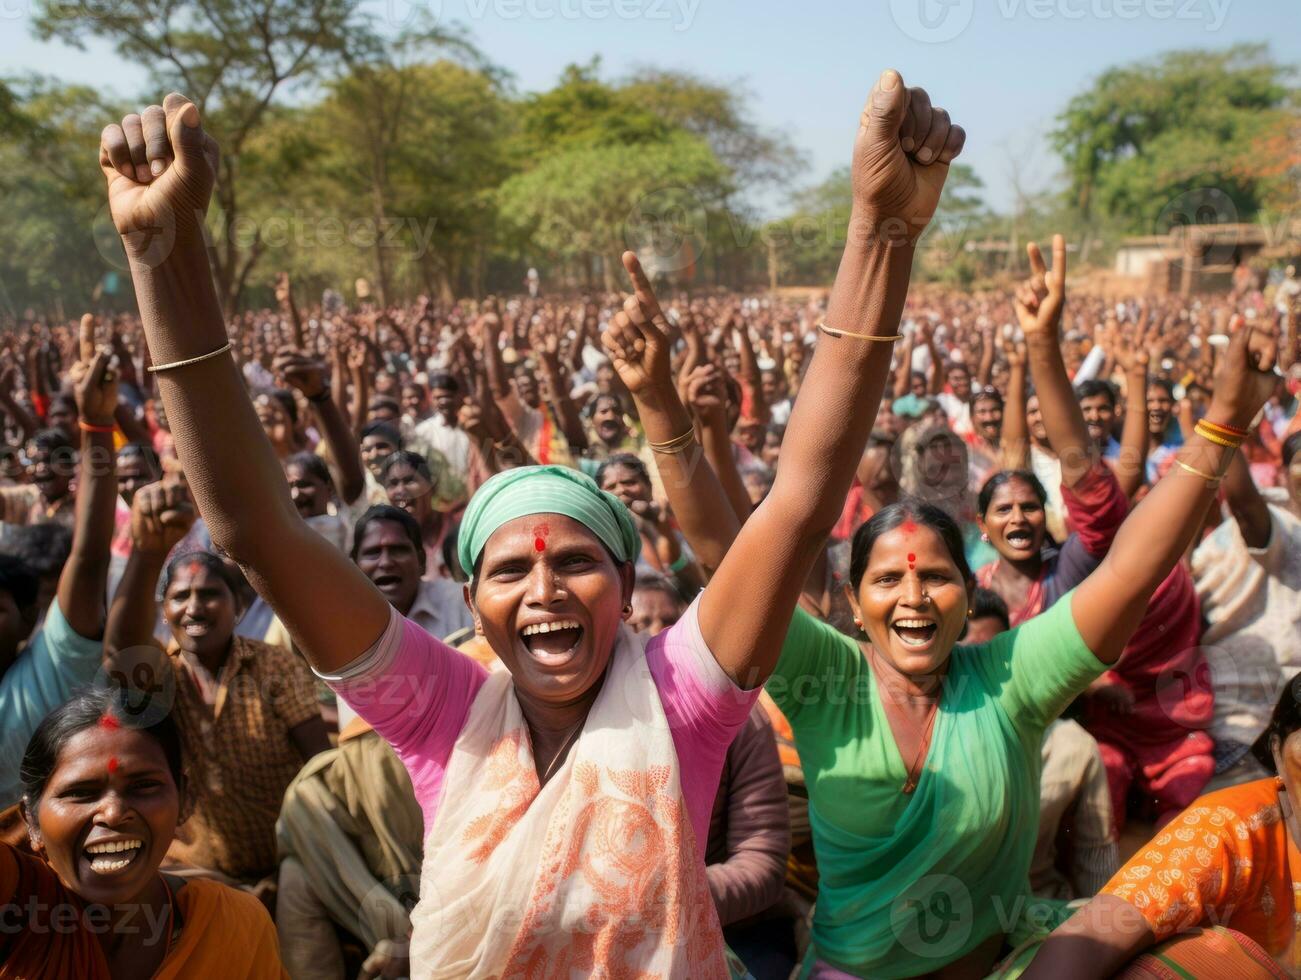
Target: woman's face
(376,448)
(549,600)
(626,483)
(912,599)
(1287,760)
(1015,521)
(654,611)
(275,421)
(409,490)
(309,493)
(200,610)
(108,814)
(772,447)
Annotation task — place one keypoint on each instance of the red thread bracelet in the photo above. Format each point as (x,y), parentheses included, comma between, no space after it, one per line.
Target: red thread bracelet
(88,427)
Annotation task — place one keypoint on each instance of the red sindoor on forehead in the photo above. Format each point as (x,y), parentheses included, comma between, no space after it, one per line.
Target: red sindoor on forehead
(108,722)
(112,765)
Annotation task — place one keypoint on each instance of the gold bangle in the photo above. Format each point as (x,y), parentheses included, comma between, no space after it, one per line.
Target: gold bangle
(676,444)
(1215,437)
(1210,478)
(154,368)
(833,332)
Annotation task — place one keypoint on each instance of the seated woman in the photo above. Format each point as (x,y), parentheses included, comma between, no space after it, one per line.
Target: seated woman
(101,799)
(921,756)
(246,710)
(1229,860)
(566,798)
(1151,733)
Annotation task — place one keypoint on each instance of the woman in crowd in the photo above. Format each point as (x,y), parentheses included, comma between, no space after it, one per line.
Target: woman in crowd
(525,774)
(923,794)
(1151,734)
(246,711)
(410,485)
(662,548)
(1229,862)
(1248,577)
(102,797)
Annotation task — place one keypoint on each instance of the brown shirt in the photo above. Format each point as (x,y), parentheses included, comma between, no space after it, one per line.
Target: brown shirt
(239,758)
(23,505)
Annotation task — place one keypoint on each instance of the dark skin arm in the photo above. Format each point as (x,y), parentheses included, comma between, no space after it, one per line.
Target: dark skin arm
(903,375)
(708,399)
(546,342)
(24,419)
(331,609)
(1095,942)
(1039,305)
(85,575)
(1246,505)
(1131,465)
(1015,437)
(750,372)
(986,369)
(308,376)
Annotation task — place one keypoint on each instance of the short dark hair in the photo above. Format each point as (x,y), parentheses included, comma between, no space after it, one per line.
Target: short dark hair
(311,464)
(44,547)
(1007,476)
(51,441)
(1095,387)
(893,516)
(138,450)
(1283,722)
(385,430)
(1166,386)
(988,393)
(627,460)
(86,710)
(395,515)
(987,602)
(408,458)
(445,380)
(607,397)
(19,579)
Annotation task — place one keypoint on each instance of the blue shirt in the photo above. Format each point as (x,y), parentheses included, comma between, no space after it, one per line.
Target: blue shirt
(56,662)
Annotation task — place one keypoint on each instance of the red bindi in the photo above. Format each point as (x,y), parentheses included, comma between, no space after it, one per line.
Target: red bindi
(108,722)
(540,533)
(911,557)
(539,544)
(112,765)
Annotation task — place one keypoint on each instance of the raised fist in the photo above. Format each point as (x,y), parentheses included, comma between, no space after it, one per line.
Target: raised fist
(160,166)
(305,374)
(161,515)
(901,158)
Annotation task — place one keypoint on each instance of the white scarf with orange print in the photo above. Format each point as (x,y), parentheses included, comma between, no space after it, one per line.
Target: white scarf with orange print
(596,875)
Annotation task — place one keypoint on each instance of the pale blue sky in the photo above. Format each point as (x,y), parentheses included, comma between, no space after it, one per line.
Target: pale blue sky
(1008,68)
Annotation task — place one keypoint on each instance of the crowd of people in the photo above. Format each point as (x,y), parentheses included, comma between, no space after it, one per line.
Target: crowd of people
(861,635)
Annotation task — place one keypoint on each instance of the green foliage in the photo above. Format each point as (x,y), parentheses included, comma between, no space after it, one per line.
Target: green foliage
(1144,134)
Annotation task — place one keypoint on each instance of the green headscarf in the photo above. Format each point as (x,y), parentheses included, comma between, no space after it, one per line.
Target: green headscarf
(529,490)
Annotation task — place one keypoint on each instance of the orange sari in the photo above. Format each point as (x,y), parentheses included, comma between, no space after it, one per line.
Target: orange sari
(1227,860)
(47,931)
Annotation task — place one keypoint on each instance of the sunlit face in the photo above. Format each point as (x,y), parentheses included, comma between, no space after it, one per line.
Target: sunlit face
(607,419)
(571,586)
(959,379)
(1034,421)
(110,786)
(605,377)
(1015,521)
(51,473)
(1099,415)
(1159,406)
(987,418)
(912,599)
(310,494)
(917,385)
(409,490)
(275,421)
(413,401)
(376,448)
(390,560)
(446,403)
(876,468)
(626,483)
(654,611)
(200,610)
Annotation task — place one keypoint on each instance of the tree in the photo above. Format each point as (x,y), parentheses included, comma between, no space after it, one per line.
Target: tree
(232,58)
(1144,134)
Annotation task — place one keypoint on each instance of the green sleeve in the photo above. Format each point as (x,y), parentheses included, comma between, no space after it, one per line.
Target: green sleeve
(819,666)
(1040,667)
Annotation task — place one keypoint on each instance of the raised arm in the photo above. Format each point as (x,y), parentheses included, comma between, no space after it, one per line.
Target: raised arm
(9,405)
(85,576)
(750,372)
(985,371)
(1246,505)
(903,375)
(1039,304)
(308,376)
(331,609)
(1014,441)
(1131,464)
(1110,603)
(708,400)
(638,345)
(546,343)
(747,608)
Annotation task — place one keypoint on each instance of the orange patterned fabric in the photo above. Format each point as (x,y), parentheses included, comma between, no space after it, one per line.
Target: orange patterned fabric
(598,873)
(1227,860)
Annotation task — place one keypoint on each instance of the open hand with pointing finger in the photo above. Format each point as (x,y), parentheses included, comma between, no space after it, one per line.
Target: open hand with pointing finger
(637,337)
(1042,297)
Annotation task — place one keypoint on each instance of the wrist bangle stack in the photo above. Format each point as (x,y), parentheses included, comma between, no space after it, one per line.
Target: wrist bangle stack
(676,444)
(1230,437)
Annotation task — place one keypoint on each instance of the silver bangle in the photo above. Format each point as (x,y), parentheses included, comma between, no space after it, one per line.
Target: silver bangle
(154,368)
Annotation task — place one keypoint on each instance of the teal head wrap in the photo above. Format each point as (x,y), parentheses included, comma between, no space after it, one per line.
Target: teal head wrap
(528,490)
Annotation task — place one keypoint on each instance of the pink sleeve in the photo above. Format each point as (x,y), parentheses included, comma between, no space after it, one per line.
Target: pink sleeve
(704,708)
(1096,507)
(416,692)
